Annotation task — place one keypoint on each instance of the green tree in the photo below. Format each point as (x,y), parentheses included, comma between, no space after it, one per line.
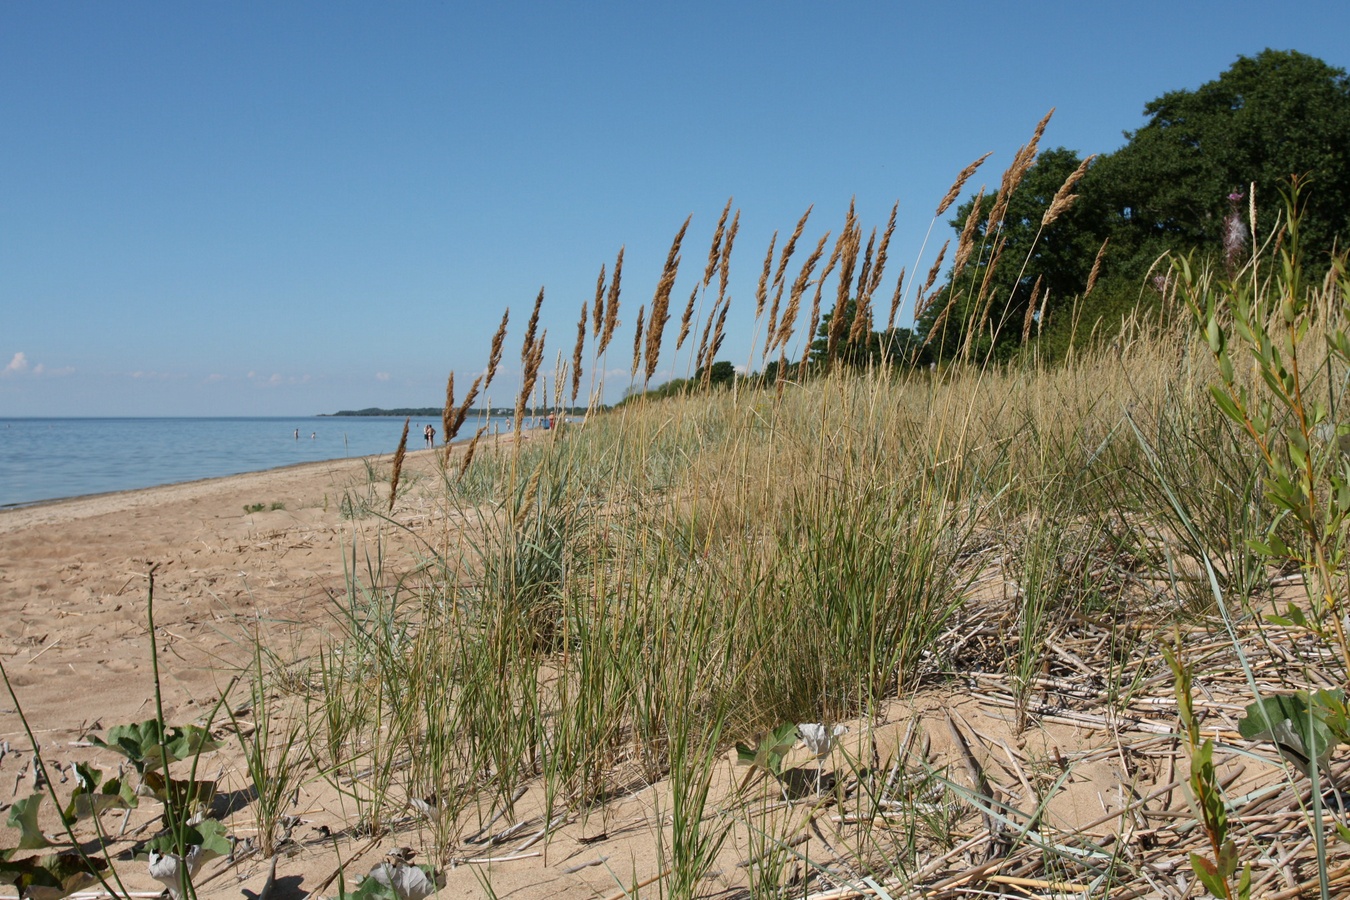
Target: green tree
(1268,117)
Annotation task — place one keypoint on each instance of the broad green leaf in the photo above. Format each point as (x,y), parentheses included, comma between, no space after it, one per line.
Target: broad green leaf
(209,835)
(1295,727)
(23,815)
(51,877)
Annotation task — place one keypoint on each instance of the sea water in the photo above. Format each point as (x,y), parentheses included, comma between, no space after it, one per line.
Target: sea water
(49,458)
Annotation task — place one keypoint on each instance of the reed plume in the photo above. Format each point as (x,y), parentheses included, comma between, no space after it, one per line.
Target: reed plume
(1031,310)
(1064,197)
(707,332)
(961,178)
(895,300)
(862,320)
(612,306)
(716,345)
(880,264)
(937,267)
(599,301)
(462,412)
(820,286)
(966,243)
(791,246)
(533,356)
(687,318)
(715,251)
(398,464)
(495,354)
(660,314)
(865,272)
(726,257)
(795,295)
(447,414)
(527,347)
(637,341)
(1096,267)
(1013,175)
(576,354)
(761,292)
(529,498)
(847,259)
(468,454)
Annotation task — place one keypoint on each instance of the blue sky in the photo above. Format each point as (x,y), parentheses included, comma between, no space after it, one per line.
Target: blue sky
(283,209)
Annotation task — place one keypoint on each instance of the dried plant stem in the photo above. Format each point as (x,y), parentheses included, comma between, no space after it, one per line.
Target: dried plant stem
(495,354)
(398,465)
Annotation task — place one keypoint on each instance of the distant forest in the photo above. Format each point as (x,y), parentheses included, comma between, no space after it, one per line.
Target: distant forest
(435,411)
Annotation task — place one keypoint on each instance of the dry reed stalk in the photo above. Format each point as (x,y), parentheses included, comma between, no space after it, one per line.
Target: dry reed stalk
(559,379)
(820,286)
(529,498)
(865,273)
(462,413)
(660,315)
(1096,267)
(895,300)
(715,251)
(576,353)
(533,357)
(447,414)
(725,264)
(936,267)
(637,341)
(966,243)
(961,178)
(716,344)
(707,331)
(781,380)
(1013,175)
(473,448)
(527,347)
(879,266)
(1031,310)
(687,318)
(762,291)
(847,259)
(798,289)
(1040,316)
(862,321)
(941,318)
(599,306)
(1064,197)
(495,354)
(788,249)
(984,301)
(611,306)
(398,464)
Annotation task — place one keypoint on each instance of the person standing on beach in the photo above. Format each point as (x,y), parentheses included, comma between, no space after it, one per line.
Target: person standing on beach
(430,434)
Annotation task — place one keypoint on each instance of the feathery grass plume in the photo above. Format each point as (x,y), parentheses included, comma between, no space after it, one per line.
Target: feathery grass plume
(533,357)
(576,354)
(789,248)
(920,304)
(528,500)
(781,380)
(559,379)
(462,413)
(820,286)
(961,178)
(895,300)
(687,318)
(660,314)
(862,321)
(1064,197)
(937,267)
(865,272)
(1012,176)
(715,251)
(941,320)
(725,264)
(880,264)
(599,301)
(1031,310)
(637,341)
(717,338)
(762,291)
(612,305)
(707,331)
(1096,267)
(1040,316)
(448,413)
(495,354)
(473,448)
(847,259)
(527,347)
(798,289)
(965,244)
(398,464)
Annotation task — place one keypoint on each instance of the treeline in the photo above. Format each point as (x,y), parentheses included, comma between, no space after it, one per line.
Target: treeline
(427,412)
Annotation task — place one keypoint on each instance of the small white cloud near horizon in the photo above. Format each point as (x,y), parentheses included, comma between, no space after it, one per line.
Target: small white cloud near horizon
(17,365)
(382,376)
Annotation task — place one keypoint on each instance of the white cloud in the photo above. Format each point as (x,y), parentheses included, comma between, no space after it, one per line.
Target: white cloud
(17,365)
(381,376)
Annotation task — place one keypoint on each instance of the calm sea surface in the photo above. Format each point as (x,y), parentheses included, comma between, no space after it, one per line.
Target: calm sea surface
(44,459)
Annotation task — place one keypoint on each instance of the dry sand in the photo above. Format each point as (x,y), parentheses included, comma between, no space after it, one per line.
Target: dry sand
(73,637)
